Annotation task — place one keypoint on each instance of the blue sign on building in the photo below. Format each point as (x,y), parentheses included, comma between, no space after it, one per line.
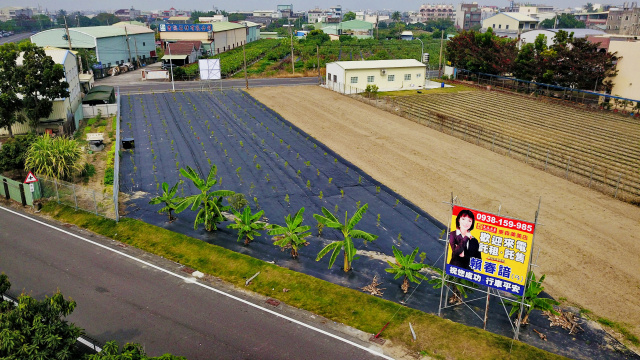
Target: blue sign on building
(186,27)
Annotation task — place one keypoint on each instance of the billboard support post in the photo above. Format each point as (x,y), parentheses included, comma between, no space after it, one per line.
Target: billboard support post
(527,282)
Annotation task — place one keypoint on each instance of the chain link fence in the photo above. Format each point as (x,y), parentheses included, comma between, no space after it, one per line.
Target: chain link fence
(78,196)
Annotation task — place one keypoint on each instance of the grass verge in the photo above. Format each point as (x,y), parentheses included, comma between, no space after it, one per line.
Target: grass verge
(437,337)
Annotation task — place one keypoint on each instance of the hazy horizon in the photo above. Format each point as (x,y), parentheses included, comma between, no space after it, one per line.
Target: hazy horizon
(248,5)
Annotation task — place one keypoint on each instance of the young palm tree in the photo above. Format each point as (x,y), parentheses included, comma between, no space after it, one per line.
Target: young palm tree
(407,267)
(348,234)
(247,224)
(54,157)
(532,299)
(293,235)
(209,202)
(169,199)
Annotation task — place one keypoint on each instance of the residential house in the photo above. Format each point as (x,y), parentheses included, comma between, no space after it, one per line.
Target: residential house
(430,12)
(468,16)
(127,14)
(510,22)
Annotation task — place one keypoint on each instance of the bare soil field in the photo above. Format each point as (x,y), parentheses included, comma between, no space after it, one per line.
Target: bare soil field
(589,243)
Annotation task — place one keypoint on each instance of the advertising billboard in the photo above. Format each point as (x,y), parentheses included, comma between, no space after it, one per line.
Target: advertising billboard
(186,27)
(489,250)
(209,69)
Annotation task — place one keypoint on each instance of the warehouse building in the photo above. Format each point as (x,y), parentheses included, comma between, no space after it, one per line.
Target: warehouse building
(113,45)
(216,37)
(388,75)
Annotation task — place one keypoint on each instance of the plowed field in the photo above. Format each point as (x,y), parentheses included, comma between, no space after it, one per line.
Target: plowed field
(589,243)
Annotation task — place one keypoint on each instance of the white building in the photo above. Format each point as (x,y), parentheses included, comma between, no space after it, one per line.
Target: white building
(64,109)
(350,77)
(529,37)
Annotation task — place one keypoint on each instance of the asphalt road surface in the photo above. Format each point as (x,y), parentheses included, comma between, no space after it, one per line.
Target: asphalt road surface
(15,38)
(127,295)
(146,86)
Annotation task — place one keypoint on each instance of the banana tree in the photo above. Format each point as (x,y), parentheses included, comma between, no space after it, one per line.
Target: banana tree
(293,235)
(247,224)
(407,267)
(348,234)
(209,202)
(532,300)
(168,198)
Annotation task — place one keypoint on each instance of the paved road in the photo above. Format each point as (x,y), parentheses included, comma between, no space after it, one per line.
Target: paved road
(120,298)
(226,84)
(14,38)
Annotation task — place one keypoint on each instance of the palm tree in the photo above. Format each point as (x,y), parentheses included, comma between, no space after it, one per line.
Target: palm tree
(209,202)
(169,199)
(247,224)
(348,234)
(54,157)
(293,235)
(396,16)
(407,267)
(532,301)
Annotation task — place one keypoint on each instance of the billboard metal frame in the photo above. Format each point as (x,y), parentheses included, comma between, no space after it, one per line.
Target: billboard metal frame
(448,284)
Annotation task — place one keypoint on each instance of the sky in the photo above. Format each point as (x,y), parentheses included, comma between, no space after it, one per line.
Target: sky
(247,5)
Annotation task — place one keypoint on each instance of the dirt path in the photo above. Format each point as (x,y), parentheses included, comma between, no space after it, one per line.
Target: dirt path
(589,243)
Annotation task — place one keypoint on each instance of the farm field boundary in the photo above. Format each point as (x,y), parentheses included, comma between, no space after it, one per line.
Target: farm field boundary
(586,242)
(282,168)
(593,149)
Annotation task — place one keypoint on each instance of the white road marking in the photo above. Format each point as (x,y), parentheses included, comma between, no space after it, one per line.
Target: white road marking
(190,279)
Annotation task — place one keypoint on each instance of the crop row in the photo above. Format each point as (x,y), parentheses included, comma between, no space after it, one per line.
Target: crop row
(594,145)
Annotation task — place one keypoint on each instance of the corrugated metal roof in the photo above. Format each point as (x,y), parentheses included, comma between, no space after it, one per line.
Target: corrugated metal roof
(225,26)
(179,18)
(355,24)
(98,31)
(133,28)
(515,16)
(57,55)
(378,64)
(519,16)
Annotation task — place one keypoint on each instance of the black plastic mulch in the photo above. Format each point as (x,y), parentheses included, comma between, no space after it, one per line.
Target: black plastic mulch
(237,133)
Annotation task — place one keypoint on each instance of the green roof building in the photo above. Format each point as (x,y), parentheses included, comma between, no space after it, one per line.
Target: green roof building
(356,28)
(113,45)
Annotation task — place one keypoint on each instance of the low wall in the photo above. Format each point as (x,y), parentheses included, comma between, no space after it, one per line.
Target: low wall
(155,75)
(106,110)
(17,191)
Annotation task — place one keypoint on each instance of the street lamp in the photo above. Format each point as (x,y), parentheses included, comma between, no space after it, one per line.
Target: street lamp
(421,59)
(173,86)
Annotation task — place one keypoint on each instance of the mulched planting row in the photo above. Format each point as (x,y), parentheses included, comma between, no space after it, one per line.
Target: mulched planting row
(263,156)
(593,144)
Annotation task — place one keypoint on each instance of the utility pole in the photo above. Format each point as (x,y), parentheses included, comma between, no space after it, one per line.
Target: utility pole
(135,44)
(244,56)
(126,34)
(440,59)
(318,57)
(293,65)
(66,29)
